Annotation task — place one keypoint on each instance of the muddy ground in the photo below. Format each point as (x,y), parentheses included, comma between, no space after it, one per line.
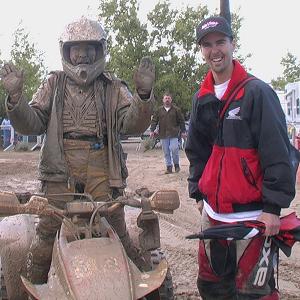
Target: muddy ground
(18,172)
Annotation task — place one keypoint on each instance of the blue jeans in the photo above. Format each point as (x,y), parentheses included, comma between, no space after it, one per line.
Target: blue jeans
(6,138)
(171,151)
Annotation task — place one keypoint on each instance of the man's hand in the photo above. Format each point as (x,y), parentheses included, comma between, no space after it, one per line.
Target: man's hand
(144,76)
(152,134)
(272,223)
(12,80)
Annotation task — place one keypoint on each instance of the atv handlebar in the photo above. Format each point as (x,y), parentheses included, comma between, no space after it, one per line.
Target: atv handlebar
(162,201)
(35,206)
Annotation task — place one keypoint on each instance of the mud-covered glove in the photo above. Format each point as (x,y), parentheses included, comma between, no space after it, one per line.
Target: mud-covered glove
(12,80)
(144,77)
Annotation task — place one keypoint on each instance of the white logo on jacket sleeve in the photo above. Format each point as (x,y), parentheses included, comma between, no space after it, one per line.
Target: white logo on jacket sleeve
(233,114)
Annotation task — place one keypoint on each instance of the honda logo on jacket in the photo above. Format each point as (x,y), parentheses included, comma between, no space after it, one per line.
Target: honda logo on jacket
(233,114)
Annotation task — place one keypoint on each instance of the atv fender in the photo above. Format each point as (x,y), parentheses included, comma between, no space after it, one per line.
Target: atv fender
(96,268)
(16,234)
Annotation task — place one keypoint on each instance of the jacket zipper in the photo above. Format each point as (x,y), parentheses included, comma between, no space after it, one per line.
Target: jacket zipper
(219,182)
(247,173)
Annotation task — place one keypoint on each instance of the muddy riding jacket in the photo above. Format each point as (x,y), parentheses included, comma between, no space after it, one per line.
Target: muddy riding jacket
(241,162)
(124,113)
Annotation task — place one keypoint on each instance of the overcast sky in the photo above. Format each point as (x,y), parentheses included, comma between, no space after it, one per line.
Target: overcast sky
(269,30)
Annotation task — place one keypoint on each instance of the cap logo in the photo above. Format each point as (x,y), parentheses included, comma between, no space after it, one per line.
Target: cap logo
(209,25)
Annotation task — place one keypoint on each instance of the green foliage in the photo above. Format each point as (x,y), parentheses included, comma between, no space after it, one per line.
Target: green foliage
(175,52)
(291,72)
(25,56)
(279,83)
(128,37)
(168,37)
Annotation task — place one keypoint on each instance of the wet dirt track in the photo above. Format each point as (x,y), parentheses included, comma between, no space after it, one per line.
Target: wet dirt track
(18,172)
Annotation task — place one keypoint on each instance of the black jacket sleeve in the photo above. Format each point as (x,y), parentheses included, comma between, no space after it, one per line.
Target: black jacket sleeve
(269,131)
(199,141)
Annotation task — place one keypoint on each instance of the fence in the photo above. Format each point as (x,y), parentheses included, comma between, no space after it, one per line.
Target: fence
(14,139)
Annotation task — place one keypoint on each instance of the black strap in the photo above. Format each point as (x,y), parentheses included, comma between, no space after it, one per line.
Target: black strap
(234,93)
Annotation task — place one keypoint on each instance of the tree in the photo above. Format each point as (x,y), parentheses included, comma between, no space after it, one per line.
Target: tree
(291,72)
(26,56)
(168,37)
(175,52)
(128,37)
(181,70)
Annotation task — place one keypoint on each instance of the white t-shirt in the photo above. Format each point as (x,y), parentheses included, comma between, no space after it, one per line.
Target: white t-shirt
(231,217)
(167,108)
(220,89)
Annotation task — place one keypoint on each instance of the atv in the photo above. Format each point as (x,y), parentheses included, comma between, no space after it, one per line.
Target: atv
(88,260)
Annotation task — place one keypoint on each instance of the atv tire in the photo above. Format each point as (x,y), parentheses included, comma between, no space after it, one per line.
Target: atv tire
(165,292)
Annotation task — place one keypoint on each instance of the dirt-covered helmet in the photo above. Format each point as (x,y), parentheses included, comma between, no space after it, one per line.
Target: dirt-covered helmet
(83,30)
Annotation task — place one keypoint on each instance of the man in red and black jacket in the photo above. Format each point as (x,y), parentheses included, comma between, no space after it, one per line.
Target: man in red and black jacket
(240,168)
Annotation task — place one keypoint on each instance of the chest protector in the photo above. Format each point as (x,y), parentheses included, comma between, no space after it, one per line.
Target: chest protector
(80,113)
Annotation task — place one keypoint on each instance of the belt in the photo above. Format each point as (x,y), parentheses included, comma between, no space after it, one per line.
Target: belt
(87,138)
(97,143)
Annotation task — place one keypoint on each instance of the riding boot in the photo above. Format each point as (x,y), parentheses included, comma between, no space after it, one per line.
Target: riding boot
(39,260)
(134,253)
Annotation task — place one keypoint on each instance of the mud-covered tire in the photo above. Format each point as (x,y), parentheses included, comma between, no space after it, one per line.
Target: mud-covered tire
(3,293)
(165,292)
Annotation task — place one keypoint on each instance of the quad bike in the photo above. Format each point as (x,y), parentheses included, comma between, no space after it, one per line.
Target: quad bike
(88,260)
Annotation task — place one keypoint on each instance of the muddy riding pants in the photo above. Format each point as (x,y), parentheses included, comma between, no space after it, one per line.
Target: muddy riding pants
(88,170)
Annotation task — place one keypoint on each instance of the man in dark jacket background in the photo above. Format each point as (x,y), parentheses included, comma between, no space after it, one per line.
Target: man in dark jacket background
(171,125)
(239,169)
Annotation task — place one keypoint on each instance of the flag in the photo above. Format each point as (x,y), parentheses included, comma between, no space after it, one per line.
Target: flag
(289,232)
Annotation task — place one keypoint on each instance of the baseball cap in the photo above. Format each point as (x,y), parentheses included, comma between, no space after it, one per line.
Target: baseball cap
(213,24)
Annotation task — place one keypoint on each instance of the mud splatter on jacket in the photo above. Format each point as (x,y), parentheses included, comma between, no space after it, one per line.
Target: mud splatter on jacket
(241,164)
(125,114)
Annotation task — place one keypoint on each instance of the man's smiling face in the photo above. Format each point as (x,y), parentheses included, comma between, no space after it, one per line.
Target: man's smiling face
(217,50)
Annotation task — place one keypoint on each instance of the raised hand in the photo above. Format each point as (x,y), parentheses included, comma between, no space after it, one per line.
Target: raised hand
(144,76)
(12,80)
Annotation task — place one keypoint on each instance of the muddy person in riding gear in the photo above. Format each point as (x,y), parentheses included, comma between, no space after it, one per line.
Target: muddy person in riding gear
(82,110)
(239,169)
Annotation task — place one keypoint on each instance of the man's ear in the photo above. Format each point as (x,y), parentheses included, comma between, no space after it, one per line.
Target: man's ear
(200,48)
(233,45)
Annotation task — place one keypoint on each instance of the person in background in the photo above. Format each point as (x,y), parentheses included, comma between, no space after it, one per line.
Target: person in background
(82,111)
(240,169)
(171,125)
(6,129)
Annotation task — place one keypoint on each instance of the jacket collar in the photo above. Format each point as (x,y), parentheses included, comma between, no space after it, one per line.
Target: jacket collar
(238,74)
(171,106)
